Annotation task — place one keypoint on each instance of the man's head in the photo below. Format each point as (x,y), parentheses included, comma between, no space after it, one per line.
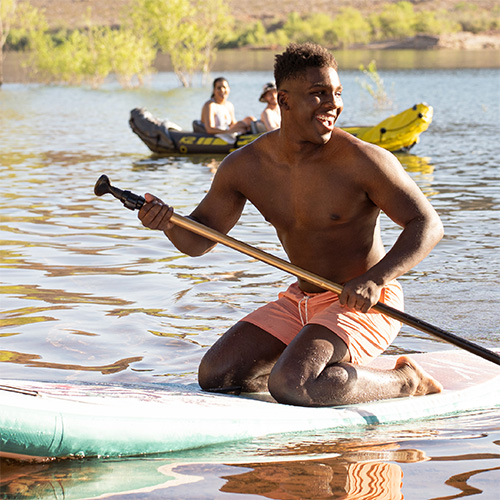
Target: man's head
(293,63)
(309,93)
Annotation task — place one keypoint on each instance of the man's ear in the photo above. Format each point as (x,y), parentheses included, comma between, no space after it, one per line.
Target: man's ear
(283,99)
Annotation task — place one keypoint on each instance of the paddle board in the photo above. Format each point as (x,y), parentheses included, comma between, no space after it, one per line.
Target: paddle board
(42,420)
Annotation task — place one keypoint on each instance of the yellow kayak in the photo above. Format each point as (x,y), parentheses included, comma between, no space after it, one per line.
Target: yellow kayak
(396,133)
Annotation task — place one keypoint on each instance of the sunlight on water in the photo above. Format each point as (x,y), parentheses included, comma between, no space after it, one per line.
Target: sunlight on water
(88,294)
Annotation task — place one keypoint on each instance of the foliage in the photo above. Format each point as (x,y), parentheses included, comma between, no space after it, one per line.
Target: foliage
(475,20)
(191,31)
(188,31)
(435,23)
(7,13)
(87,56)
(350,27)
(315,28)
(375,85)
(395,21)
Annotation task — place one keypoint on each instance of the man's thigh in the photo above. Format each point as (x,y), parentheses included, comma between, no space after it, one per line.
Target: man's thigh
(314,348)
(311,352)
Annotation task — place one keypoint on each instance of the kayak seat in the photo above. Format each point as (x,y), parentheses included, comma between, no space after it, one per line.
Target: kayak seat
(199,127)
(258,127)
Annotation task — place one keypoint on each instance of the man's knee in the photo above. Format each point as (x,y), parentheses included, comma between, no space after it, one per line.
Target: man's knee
(329,388)
(207,377)
(286,387)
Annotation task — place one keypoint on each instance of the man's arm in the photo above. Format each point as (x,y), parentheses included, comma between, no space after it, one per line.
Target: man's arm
(397,195)
(220,209)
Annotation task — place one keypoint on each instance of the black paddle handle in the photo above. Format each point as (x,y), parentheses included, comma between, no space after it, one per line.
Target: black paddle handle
(130,200)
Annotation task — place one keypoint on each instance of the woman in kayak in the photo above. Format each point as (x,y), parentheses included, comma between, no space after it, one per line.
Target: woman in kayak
(218,117)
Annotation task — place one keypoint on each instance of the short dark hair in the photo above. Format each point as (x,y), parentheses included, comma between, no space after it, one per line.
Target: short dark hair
(294,62)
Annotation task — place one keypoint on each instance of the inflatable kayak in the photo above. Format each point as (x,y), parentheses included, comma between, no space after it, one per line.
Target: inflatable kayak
(396,133)
(40,420)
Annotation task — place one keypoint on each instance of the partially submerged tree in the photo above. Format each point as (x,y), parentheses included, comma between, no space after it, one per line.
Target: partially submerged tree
(188,31)
(82,56)
(7,13)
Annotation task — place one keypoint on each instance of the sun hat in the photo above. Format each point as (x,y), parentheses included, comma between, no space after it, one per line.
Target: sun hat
(267,87)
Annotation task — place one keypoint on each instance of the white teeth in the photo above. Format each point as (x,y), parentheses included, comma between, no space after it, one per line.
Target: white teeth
(327,120)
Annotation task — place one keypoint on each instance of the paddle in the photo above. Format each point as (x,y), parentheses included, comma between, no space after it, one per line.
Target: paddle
(134,201)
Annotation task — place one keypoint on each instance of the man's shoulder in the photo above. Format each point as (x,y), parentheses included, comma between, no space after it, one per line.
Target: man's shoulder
(259,146)
(356,148)
(249,157)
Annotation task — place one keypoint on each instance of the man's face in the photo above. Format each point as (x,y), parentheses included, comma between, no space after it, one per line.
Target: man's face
(312,104)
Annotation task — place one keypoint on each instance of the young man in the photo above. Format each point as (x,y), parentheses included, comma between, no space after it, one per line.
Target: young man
(323,190)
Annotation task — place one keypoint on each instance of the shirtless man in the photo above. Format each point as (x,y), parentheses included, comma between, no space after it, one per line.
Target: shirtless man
(323,190)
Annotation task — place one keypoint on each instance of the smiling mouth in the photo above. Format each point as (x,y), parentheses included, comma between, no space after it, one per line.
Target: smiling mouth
(328,121)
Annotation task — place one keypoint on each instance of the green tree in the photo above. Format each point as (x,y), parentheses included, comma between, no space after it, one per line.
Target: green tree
(86,56)
(188,31)
(7,13)
(349,27)
(435,23)
(396,21)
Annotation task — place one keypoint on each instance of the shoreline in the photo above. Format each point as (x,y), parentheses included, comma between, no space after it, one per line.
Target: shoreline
(463,40)
(417,52)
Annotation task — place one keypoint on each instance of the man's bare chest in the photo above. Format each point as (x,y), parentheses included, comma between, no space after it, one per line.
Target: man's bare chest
(312,199)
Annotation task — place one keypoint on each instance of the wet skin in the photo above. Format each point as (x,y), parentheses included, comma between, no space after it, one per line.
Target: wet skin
(322,190)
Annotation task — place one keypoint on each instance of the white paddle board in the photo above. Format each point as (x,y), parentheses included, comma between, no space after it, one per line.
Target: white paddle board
(40,420)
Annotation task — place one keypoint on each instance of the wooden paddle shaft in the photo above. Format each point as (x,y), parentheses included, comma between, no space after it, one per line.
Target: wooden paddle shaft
(279,263)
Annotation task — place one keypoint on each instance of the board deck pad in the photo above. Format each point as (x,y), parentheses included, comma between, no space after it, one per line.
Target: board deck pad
(40,420)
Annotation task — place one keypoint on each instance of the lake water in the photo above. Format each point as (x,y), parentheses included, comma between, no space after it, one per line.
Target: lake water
(88,294)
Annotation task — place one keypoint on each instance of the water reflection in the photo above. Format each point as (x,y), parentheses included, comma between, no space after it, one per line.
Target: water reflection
(347,469)
(88,294)
(321,479)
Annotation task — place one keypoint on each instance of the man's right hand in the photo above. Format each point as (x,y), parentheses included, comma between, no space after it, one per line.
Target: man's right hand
(156,214)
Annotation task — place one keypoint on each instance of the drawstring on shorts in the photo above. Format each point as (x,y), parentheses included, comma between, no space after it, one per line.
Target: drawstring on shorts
(306,314)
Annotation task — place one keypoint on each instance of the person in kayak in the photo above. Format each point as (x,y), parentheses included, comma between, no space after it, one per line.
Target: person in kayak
(271,116)
(218,115)
(323,190)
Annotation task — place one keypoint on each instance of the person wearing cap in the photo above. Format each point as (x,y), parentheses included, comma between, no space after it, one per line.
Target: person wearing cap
(271,116)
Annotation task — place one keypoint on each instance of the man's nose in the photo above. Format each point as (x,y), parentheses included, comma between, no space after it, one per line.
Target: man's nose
(334,101)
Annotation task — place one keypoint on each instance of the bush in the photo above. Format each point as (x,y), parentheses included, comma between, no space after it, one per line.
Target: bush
(435,23)
(396,21)
(350,27)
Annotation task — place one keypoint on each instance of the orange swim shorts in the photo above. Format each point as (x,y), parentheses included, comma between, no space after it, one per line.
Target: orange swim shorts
(366,334)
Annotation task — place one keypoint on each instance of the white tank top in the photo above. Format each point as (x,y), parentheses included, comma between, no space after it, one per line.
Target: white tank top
(223,120)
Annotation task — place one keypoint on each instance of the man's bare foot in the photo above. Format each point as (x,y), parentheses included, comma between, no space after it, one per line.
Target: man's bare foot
(422,383)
